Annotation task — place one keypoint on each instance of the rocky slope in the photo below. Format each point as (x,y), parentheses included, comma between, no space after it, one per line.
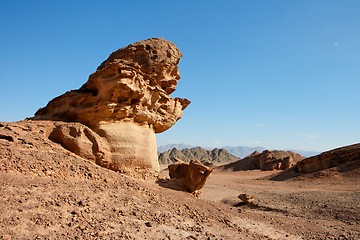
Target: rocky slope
(330,159)
(339,162)
(239,151)
(179,146)
(267,160)
(208,157)
(49,192)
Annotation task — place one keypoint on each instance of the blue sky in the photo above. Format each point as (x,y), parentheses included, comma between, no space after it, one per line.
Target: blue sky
(279,74)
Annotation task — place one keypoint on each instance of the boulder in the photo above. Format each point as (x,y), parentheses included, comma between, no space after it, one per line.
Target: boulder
(193,174)
(56,149)
(126,101)
(80,140)
(246,198)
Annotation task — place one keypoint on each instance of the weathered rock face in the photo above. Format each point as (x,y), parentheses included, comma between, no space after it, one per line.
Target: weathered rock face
(281,160)
(80,140)
(267,160)
(126,101)
(246,198)
(29,147)
(193,174)
(133,147)
(133,84)
(330,159)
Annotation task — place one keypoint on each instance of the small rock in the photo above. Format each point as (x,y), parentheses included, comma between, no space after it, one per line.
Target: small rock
(246,198)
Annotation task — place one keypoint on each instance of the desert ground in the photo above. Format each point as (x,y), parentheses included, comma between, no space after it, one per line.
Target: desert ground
(318,208)
(72,198)
(323,205)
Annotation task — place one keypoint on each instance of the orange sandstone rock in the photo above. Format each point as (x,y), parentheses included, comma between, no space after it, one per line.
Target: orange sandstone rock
(193,174)
(329,159)
(126,101)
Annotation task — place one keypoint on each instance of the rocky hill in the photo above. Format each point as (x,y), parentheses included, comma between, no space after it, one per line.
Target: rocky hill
(49,192)
(267,160)
(343,162)
(330,159)
(238,151)
(208,157)
(179,146)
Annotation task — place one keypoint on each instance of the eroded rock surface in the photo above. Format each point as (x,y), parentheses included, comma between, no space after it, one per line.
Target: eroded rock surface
(126,101)
(267,160)
(246,198)
(330,159)
(41,147)
(193,175)
(280,160)
(133,84)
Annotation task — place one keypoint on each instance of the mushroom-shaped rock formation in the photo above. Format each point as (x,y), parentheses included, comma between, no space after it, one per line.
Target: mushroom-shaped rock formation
(126,101)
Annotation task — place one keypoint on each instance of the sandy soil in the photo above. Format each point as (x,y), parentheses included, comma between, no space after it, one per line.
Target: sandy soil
(48,192)
(312,207)
(119,207)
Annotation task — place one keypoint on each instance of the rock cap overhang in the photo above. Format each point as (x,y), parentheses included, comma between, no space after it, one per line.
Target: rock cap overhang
(125,101)
(133,84)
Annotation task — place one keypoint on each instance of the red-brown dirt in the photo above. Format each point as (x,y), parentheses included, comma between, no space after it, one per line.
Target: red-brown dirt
(48,192)
(325,206)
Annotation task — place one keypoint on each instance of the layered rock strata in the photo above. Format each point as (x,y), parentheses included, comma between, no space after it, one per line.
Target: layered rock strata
(278,160)
(330,159)
(265,161)
(126,101)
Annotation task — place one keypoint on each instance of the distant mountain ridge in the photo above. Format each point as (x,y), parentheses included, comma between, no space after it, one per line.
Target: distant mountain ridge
(239,151)
(207,157)
(178,146)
